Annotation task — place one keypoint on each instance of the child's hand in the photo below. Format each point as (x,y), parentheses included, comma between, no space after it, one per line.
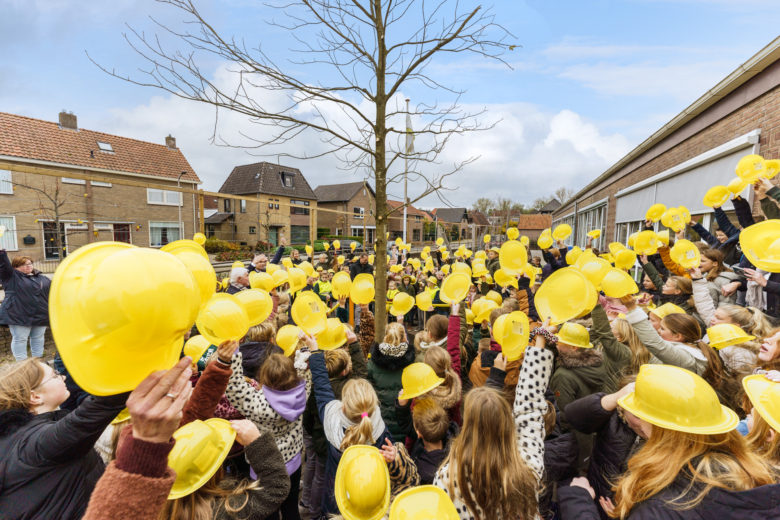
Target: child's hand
(500,362)
(389,451)
(583,483)
(226,350)
(402,402)
(454,308)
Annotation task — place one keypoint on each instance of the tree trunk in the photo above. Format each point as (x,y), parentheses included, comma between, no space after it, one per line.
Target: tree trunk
(380,169)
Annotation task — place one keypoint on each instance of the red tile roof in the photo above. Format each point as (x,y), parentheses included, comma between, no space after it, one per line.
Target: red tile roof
(534,221)
(411,210)
(29,138)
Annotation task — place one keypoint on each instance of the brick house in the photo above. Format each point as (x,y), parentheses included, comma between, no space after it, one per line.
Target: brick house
(40,162)
(532,225)
(415,222)
(356,204)
(455,220)
(288,206)
(699,148)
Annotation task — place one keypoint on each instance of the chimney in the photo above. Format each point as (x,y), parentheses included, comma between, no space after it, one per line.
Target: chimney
(68,120)
(170,142)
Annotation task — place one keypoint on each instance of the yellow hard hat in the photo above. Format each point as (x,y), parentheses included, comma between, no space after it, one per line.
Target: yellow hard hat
(402,303)
(482,308)
(594,233)
(736,185)
(439,241)
(326,246)
(224,283)
(494,249)
(608,257)
(561,232)
(362,487)
(371,259)
(685,253)
(524,240)
(455,287)
(423,503)
(223,318)
(237,264)
(397,268)
(585,257)
(199,238)
(511,332)
(121,417)
(258,280)
(676,399)
(119,312)
(195,347)
(341,284)
(495,296)
(296,278)
(415,263)
(352,245)
(200,267)
(309,250)
(307,268)
(772,168)
(287,338)
(663,236)
(758,242)
(333,336)
(337,244)
(362,290)
(308,312)
(564,295)
(426,249)
(512,233)
(666,309)
(596,270)
(340,259)
(618,283)
(200,449)
(513,256)
(672,218)
(573,254)
(478,269)
(716,196)
(280,277)
(574,335)
(271,268)
(188,245)
(655,212)
(257,304)
(486,239)
(287,263)
(625,259)
(614,247)
(545,240)
(418,379)
(445,255)
(724,335)
(424,301)
(504,279)
(461,267)
(480,255)
(646,242)
(765,396)
(433,280)
(750,168)
(632,238)
(685,214)
(469,316)
(445,269)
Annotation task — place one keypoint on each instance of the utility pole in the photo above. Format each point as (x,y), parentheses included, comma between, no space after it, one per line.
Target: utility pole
(406,171)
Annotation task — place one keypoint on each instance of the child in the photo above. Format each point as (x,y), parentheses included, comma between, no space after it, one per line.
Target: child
(434,432)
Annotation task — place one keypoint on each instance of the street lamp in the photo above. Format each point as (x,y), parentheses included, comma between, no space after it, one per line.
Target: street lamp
(181,201)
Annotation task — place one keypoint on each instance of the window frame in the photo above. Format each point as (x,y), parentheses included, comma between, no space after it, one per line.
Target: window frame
(105,147)
(165,194)
(252,230)
(360,214)
(169,225)
(8,233)
(6,182)
(242,206)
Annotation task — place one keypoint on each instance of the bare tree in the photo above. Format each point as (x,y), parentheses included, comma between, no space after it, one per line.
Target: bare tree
(540,203)
(563,194)
(483,205)
(504,208)
(372,49)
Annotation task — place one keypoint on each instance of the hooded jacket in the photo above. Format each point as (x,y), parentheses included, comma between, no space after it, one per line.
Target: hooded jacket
(759,503)
(48,464)
(254,354)
(26,296)
(428,462)
(384,374)
(279,411)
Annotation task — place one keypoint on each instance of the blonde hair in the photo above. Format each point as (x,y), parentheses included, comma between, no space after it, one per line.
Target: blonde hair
(199,505)
(441,362)
(17,382)
(721,461)
(485,463)
(264,332)
(430,420)
(759,441)
(627,335)
(750,319)
(358,402)
(395,334)
(337,362)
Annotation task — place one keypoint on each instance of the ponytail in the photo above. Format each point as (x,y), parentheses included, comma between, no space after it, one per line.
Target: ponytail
(360,433)
(359,402)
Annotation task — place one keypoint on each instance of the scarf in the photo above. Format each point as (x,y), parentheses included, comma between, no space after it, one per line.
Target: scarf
(393,350)
(755,296)
(427,344)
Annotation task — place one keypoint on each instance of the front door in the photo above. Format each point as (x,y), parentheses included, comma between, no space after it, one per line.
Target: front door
(273,236)
(122,233)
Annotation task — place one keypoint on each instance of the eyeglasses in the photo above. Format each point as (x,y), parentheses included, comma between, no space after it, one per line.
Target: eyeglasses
(54,376)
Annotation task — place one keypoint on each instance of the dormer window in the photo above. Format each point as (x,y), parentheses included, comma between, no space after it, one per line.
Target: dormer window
(105,147)
(287,179)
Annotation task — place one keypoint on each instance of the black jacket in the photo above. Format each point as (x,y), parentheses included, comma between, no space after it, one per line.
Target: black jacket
(358,268)
(48,465)
(761,503)
(614,443)
(26,296)
(428,462)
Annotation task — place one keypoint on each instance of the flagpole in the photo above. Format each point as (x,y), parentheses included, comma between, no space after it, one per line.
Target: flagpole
(406,170)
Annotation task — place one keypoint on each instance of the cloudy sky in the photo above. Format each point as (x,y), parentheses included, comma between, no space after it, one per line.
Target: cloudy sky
(588,81)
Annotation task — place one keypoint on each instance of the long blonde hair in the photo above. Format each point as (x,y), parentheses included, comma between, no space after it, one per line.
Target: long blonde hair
(627,335)
(395,334)
(712,461)
(485,463)
(17,381)
(441,362)
(750,319)
(358,402)
(199,505)
(758,439)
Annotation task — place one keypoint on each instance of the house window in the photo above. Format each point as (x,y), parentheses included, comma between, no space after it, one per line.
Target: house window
(8,240)
(357,212)
(163,197)
(416,235)
(227,205)
(68,180)
(5,182)
(122,233)
(242,206)
(417,218)
(299,234)
(50,250)
(299,211)
(105,147)
(160,233)
(287,179)
(99,184)
(252,230)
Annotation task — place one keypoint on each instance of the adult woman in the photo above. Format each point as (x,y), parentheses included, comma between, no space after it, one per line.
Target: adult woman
(48,458)
(25,308)
(693,465)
